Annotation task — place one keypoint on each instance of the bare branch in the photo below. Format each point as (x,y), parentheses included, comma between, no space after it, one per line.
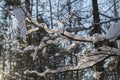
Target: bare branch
(105,15)
(76,29)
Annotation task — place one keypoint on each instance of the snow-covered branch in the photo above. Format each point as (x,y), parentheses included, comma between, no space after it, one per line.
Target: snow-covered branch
(84,62)
(66,33)
(72,47)
(32,30)
(94,38)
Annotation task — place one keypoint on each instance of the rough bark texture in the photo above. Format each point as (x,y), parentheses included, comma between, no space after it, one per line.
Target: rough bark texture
(97,29)
(96,19)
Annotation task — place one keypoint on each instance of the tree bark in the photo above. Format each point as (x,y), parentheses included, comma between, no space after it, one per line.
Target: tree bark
(96,18)
(51,17)
(27,5)
(97,29)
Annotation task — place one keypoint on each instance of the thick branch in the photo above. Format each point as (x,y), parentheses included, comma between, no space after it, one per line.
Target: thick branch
(63,32)
(83,62)
(77,38)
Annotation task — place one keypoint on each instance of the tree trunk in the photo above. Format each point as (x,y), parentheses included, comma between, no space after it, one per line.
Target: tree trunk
(96,19)
(115,9)
(51,17)
(97,29)
(27,5)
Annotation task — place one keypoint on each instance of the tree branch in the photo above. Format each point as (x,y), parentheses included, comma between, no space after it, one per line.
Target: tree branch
(84,62)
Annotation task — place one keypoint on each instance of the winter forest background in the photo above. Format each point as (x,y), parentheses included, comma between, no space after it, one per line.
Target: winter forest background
(58,40)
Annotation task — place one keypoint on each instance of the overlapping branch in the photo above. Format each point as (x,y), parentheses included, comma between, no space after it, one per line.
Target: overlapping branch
(83,62)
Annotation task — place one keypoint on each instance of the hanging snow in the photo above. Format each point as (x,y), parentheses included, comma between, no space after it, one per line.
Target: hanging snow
(20,15)
(113,32)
